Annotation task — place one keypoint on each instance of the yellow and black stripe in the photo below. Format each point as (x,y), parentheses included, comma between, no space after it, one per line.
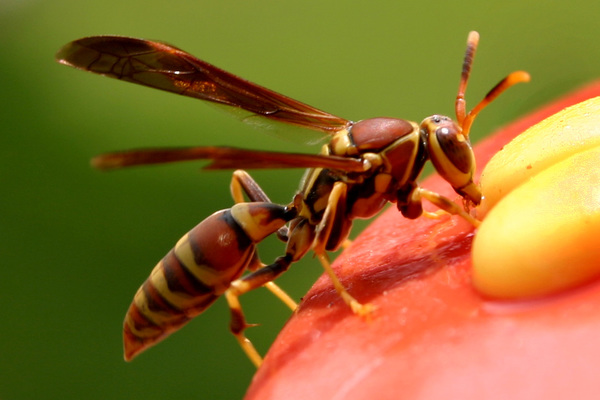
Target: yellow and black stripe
(198,270)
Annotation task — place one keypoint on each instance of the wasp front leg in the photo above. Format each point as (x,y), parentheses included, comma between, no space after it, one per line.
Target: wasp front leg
(444,204)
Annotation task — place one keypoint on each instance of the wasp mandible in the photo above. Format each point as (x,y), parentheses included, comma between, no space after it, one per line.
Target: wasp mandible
(365,165)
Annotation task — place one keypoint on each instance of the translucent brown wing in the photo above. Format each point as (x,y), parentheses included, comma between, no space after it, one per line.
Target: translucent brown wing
(227,158)
(166,67)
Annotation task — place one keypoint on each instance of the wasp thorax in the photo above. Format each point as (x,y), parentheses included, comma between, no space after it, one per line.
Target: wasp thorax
(375,134)
(451,154)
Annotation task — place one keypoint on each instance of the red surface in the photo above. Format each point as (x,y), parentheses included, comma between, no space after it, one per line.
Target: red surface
(431,335)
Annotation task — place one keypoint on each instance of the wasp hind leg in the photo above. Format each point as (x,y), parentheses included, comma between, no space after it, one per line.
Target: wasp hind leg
(281,295)
(261,277)
(243,184)
(255,265)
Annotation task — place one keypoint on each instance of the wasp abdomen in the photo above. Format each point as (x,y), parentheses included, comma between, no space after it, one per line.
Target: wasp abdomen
(197,271)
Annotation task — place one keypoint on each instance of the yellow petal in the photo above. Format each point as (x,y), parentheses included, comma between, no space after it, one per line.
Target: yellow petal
(543,236)
(568,132)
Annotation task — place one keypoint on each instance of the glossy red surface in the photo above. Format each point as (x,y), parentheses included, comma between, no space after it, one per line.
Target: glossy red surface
(432,336)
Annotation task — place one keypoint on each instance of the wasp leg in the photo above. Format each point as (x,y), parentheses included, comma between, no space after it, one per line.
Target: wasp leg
(254,265)
(335,209)
(356,307)
(447,205)
(242,183)
(243,285)
(281,295)
(435,214)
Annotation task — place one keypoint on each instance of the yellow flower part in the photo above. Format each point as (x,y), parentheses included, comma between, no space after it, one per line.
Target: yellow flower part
(543,236)
(568,132)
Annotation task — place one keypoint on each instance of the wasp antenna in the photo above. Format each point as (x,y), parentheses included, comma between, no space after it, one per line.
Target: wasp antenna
(511,80)
(460,105)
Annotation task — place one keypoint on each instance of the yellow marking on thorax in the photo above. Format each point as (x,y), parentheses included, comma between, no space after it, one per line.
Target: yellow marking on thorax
(341,145)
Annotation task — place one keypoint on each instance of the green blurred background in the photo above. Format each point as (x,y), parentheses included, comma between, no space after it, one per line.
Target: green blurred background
(75,243)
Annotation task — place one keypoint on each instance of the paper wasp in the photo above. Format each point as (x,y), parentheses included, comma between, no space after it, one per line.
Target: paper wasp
(365,165)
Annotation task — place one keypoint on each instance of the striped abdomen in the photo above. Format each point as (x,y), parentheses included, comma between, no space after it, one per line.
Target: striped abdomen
(197,271)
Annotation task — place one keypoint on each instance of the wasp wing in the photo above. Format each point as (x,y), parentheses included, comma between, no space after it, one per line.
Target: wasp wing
(162,66)
(227,158)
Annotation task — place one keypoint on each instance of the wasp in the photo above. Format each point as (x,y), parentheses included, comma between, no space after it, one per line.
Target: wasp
(365,165)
